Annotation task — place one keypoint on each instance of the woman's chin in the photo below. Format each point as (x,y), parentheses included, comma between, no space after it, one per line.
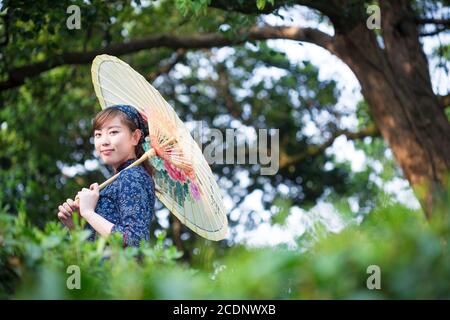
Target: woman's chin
(108,160)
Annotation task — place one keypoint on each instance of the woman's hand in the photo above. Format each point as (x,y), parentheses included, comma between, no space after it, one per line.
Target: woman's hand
(65,212)
(88,199)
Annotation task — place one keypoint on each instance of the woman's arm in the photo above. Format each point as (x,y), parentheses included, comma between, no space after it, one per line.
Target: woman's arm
(100,224)
(88,202)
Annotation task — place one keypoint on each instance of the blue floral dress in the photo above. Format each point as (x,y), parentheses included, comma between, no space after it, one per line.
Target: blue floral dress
(128,202)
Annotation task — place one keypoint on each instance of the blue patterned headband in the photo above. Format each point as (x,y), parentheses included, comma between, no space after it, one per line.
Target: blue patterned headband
(136,117)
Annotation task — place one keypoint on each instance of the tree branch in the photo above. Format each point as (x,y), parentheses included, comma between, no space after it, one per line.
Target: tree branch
(247,7)
(441,25)
(434,32)
(327,7)
(314,150)
(444,22)
(17,76)
(169,66)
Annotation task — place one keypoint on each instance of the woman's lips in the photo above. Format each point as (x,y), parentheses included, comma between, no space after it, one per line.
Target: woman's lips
(107,153)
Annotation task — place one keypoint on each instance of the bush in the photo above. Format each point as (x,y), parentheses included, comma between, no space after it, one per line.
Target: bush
(412,254)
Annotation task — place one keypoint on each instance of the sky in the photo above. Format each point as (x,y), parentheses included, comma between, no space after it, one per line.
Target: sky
(299,221)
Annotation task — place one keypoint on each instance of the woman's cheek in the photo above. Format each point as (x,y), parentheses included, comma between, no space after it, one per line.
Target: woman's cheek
(118,139)
(114,141)
(97,147)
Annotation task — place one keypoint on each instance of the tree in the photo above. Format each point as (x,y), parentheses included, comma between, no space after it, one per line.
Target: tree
(394,77)
(395,81)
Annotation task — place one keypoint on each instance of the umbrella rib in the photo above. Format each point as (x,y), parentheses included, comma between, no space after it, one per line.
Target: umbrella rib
(118,89)
(104,78)
(145,88)
(206,198)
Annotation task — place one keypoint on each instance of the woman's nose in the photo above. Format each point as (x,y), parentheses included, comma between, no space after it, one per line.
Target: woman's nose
(104,140)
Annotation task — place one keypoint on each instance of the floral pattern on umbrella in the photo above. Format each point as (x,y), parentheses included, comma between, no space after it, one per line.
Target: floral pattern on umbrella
(178,183)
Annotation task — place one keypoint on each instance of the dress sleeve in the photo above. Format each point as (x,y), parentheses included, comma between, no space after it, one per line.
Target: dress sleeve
(135,203)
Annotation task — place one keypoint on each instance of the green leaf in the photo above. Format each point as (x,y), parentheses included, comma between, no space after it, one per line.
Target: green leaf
(260,4)
(50,241)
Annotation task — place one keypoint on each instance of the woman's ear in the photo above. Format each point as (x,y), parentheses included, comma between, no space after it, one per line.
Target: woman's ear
(136,136)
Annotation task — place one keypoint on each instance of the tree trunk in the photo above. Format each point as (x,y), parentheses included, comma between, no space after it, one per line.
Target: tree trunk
(395,82)
(176,237)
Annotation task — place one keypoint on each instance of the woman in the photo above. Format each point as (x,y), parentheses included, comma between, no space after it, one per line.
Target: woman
(127,204)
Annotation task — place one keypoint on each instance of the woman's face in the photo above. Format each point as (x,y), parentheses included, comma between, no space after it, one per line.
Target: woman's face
(115,143)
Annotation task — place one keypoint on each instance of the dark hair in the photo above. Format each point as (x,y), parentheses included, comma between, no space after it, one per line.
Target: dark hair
(109,113)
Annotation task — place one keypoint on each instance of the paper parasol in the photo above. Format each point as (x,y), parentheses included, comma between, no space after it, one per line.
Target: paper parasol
(184,181)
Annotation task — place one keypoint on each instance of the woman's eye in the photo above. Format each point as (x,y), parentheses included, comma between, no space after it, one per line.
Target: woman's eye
(96,135)
(115,131)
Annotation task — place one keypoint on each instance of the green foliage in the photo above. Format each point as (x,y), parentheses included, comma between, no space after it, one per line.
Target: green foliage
(260,4)
(289,100)
(282,210)
(39,259)
(200,7)
(197,6)
(412,254)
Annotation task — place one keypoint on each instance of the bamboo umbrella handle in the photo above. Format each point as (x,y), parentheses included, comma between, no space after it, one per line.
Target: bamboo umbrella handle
(147,155)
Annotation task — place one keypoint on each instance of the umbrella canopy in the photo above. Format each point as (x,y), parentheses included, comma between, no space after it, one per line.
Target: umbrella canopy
(184,181)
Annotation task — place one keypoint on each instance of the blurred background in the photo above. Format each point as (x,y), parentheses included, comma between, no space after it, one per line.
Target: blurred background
(359,91)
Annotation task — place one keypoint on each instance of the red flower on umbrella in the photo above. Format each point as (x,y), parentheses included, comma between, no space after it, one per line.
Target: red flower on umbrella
(174,172)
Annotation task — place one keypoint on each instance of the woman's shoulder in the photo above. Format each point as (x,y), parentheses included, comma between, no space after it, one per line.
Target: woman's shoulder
(137,173)
(129,180)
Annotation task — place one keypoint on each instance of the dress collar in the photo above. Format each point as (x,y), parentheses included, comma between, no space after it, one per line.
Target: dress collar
(125,164)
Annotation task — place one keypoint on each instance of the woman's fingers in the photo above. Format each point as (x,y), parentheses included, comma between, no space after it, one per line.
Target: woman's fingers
(63,210)
(68,208)
(62,216)
(66,221)
(73,204)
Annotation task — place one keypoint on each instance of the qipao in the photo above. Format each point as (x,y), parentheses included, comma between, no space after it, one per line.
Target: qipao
(128,202)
